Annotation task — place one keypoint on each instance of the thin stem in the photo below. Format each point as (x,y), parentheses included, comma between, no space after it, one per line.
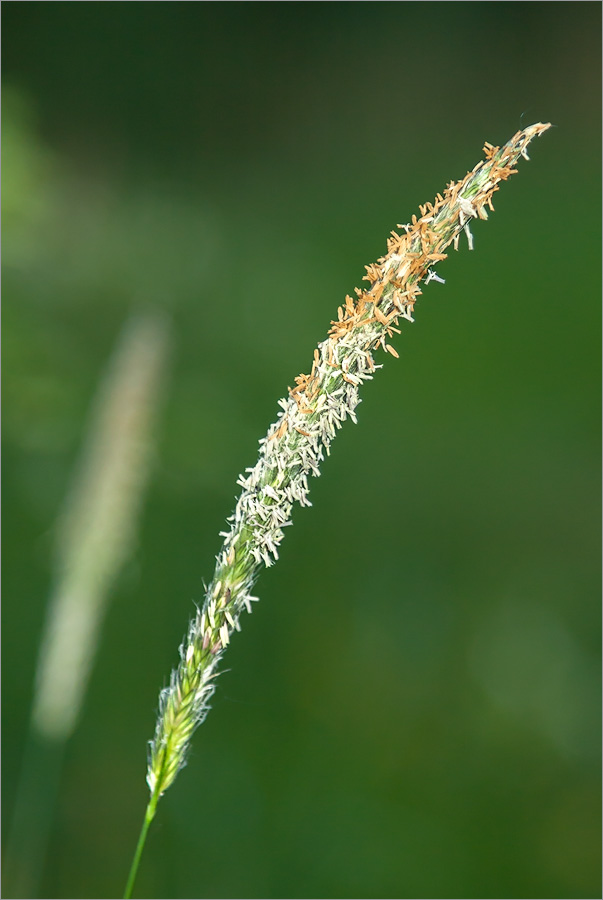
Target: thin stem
(148,818)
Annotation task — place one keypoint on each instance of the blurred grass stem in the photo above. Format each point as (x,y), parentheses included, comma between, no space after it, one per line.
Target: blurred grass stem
(96,533)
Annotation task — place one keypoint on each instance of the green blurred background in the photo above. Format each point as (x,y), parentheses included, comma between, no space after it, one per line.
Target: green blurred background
(413,708)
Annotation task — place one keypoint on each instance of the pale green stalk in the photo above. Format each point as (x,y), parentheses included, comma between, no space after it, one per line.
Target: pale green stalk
(98,527)
(95,535)
(295,444)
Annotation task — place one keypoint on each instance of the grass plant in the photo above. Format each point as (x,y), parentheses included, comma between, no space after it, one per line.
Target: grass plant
(294,446)
(95,535)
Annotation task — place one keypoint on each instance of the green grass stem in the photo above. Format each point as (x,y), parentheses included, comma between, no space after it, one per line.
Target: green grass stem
(148,818)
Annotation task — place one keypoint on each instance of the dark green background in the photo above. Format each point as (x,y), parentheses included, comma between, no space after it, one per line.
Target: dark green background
(412,710)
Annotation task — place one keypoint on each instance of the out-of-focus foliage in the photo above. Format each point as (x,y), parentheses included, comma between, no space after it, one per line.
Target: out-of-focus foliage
(412,710)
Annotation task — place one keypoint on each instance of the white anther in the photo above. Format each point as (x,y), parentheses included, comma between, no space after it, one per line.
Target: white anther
(433,276)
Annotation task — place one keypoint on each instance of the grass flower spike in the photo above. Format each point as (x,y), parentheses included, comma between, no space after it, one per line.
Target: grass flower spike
(294,447)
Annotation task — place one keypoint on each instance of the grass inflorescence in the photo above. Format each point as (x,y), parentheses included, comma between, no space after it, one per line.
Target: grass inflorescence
(294,447)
